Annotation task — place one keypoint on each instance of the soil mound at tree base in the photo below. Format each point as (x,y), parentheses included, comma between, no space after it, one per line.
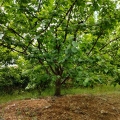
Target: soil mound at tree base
(69,107)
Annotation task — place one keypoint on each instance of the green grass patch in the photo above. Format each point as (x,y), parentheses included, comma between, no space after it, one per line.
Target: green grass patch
(25,95)
(105,89)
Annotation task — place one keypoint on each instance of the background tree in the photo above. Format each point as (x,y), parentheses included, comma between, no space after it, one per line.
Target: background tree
(11,72)
(70,40)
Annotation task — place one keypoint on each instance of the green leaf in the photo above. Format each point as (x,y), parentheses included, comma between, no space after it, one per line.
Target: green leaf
(74,49)
(86,82)
(74,43)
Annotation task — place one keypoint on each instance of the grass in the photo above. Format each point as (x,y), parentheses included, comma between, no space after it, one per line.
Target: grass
(106,89)
(6,97)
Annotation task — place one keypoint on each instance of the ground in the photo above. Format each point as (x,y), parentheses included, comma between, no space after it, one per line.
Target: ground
(68,107)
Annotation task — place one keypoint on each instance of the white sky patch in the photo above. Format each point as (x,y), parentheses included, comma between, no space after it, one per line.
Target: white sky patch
(96,16)
(2,8)
(118,5)
(14,1)
(39,28)
(1,35)
(35,41)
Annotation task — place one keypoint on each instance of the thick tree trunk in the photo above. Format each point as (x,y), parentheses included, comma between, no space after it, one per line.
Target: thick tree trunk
(58,87)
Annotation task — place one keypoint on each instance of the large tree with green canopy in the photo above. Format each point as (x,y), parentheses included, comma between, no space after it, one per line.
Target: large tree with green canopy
(75,40)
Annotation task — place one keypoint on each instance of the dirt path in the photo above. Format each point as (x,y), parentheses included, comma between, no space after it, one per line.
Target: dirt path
(70,107)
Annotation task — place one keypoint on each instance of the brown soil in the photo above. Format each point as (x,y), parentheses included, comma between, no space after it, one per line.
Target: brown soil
(69,107)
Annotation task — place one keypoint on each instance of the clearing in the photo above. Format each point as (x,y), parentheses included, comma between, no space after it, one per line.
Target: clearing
(68,107)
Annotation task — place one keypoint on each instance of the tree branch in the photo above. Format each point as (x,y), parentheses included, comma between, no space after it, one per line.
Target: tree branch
(66,30)
(94,44)
(77,28)
(109,43)
(44,67)
(69,10)
(15,32)
(39,5)
(52,69)
(12,48)
(65,79)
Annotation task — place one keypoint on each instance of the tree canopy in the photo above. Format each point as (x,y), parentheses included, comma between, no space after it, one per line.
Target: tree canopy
(76,40)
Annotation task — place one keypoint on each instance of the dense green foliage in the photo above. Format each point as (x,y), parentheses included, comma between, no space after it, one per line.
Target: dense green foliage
(62,41)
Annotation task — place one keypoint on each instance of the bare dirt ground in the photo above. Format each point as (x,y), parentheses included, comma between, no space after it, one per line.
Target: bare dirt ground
(69,107)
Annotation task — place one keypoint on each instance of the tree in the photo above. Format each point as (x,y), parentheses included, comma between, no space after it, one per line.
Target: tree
(11,75)
(68,39)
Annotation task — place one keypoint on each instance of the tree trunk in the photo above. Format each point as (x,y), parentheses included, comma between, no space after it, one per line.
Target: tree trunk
(58,87)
